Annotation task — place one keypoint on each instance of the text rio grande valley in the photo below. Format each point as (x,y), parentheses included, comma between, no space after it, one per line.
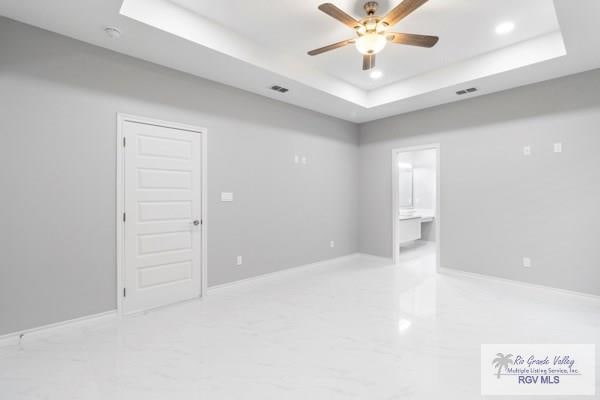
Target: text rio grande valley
(532,370)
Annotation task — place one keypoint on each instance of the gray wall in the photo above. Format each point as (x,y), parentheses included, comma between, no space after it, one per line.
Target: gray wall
(497,205)
(58,104)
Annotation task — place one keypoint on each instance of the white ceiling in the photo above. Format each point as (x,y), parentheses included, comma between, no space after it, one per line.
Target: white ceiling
(254,44)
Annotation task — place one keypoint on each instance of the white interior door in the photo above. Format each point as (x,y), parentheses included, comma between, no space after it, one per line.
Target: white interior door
(162,228)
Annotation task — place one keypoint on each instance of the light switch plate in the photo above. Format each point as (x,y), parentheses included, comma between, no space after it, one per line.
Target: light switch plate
(527,150)
(332,244)
(527,262)
(558,147)
(239,260)
(304,160)
(226,196)
(296,159)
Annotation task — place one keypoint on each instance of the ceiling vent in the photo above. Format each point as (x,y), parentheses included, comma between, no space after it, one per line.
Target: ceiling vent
(466,91)
(279,89)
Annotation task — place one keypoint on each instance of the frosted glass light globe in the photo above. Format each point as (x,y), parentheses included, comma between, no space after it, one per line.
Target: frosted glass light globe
(371,43)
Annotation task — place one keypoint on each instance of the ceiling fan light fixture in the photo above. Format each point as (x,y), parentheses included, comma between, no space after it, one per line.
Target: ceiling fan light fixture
(370,43)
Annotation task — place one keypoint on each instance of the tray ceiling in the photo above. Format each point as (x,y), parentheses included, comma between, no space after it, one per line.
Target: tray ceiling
(254,45)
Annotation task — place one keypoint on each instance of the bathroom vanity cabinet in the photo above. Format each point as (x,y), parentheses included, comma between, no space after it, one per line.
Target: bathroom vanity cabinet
(409,229)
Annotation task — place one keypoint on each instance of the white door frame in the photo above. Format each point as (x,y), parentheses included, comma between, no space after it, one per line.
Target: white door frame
(396,200)
(120,200)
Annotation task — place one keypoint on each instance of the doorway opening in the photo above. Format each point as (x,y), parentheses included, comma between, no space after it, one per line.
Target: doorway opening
(416,203)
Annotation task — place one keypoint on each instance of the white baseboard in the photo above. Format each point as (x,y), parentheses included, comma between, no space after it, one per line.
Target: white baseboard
(283,271)
(16,337)
(474,275)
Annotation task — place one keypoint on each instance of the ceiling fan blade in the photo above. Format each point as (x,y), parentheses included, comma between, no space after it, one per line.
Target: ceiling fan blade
(413,40)
(368,62)
(330,47)
(402,10)
(340,15)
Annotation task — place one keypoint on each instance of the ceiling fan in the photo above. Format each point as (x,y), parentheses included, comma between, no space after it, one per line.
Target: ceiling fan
(372,31)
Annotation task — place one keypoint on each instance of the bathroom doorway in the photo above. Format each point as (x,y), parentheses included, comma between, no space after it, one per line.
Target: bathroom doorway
(416,202)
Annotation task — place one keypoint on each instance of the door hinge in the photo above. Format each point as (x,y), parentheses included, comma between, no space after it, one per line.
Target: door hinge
(124,217)
(124,141)
(124,292)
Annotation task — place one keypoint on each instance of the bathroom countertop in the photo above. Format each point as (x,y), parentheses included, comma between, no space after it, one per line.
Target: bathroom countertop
(405,218)
(424,215)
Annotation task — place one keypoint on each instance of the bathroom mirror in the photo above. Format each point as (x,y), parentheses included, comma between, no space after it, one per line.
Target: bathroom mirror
(405,185)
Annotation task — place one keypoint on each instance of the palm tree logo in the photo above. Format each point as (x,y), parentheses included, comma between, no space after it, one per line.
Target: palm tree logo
(502,361)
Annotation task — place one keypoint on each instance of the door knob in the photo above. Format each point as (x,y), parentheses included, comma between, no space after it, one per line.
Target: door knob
(196,222)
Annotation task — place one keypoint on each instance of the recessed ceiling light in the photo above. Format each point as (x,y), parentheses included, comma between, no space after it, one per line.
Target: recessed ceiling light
(376,74)
(403,325)
(113,32)
(505,27)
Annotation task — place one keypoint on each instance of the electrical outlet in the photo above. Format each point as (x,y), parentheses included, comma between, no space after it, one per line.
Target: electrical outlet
(527,150)
(332,244)
(526,262)
(239,260)
(558,147)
